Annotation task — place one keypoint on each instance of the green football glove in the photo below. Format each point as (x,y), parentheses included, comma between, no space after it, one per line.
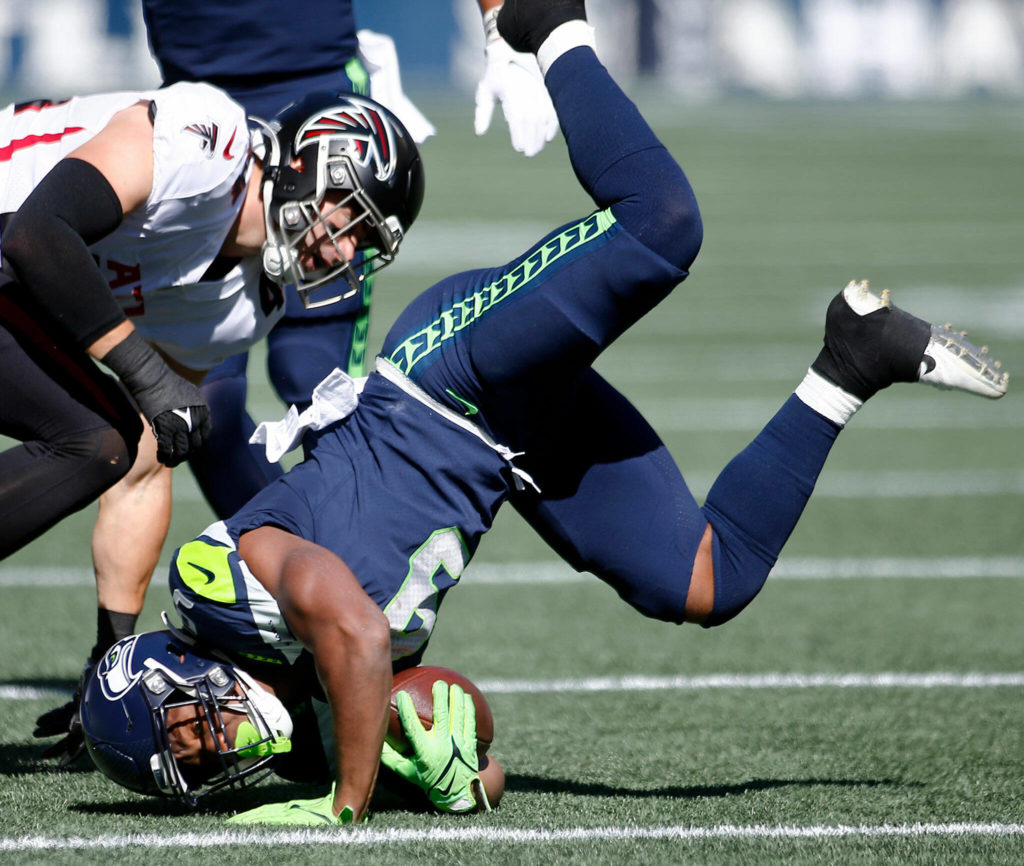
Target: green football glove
(443,762)
(308,813)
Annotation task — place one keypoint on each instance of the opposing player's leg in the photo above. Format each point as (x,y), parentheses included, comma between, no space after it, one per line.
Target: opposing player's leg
(126,549)
(80,435)
(131,525)
(227,468)
(79,432)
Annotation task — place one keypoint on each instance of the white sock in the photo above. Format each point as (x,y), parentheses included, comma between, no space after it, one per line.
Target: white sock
(565,37)
(827,399)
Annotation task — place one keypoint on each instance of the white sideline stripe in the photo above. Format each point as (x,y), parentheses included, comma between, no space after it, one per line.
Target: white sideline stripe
(934,680)
(643,683)
(931,412)
(794,568)
(841,484)
(546,571)
(448,835)
(922,409)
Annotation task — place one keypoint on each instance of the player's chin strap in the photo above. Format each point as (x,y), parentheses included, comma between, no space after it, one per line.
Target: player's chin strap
(397,378)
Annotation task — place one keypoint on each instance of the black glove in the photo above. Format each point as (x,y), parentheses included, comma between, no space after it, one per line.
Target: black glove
(65,720)
(174,407)
(525,24)
(181,432)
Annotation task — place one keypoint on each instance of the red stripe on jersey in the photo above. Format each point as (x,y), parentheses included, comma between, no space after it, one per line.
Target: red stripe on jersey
(30,140)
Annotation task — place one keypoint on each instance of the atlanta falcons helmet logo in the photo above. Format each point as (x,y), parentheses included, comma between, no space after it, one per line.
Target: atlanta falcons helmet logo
(336,164)
(368,134)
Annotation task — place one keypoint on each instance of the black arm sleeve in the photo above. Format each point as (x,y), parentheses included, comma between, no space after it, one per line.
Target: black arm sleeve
(46,248)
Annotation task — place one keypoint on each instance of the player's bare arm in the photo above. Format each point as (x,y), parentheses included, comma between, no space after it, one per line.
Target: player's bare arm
(348,635)
(123,154)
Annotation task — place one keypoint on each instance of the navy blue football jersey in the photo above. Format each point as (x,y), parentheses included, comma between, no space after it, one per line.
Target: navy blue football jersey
(399,493)
(404,488)
(261,38)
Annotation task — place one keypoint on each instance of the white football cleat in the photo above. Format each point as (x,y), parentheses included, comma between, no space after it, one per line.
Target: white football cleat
(870,344)
(952,363)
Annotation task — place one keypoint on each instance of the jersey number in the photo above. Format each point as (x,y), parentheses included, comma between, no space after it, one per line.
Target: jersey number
(434,568)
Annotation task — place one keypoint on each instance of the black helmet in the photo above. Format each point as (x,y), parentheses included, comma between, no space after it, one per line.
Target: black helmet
(336,141)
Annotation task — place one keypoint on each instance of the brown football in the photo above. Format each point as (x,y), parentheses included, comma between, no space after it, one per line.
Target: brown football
(419,682)
(492,777)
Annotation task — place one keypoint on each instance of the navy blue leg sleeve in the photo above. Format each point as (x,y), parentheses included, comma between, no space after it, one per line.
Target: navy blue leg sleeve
(619,160)
(757,500)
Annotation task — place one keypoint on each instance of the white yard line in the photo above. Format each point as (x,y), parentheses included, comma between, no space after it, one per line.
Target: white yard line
(548,571)
(523,836)
(788,568)
(841,483)
(937,679)
(641,682)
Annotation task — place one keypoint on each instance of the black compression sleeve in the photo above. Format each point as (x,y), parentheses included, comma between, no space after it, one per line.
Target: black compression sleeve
(46,248)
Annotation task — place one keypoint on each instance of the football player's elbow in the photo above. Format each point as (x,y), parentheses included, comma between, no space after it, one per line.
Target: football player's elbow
(325,605)
(364,632)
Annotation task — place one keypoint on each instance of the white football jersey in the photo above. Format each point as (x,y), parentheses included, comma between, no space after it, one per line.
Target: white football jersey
(156,259)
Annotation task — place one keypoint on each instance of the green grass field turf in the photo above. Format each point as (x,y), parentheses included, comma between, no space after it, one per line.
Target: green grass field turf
(866,708)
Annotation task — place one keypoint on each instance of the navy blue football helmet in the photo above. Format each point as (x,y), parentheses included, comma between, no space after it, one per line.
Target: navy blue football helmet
(142,679)
(329,141)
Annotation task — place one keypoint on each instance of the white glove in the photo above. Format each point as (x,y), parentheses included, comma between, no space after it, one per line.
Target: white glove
(380,59)
(514,80)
